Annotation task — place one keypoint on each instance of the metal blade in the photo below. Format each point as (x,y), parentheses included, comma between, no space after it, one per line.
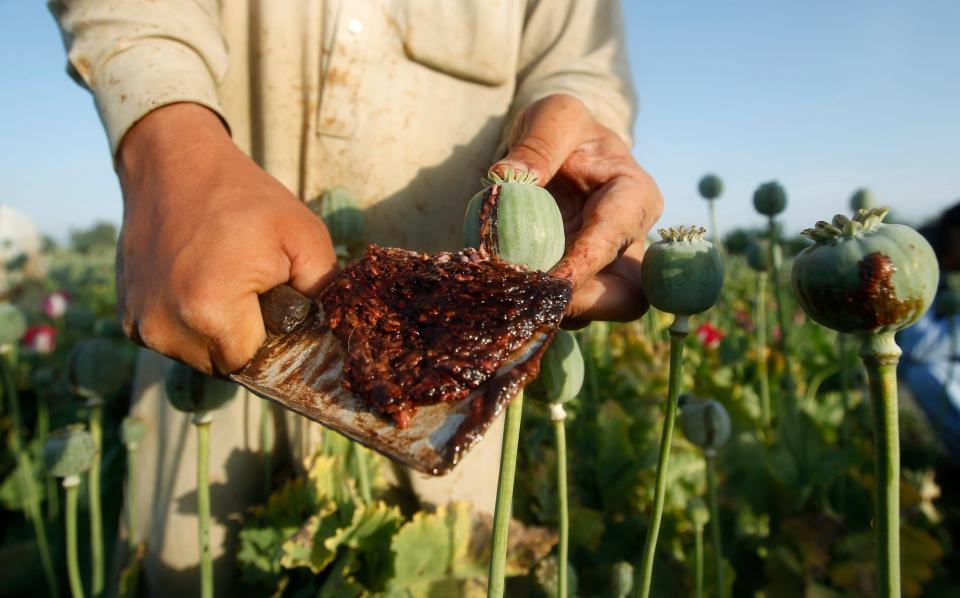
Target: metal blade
(300,367)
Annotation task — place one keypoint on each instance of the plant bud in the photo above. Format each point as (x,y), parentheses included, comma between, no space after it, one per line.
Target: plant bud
(706,424)
(69,451)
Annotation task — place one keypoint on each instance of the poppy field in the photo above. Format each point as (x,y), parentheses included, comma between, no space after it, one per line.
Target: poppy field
(765,485)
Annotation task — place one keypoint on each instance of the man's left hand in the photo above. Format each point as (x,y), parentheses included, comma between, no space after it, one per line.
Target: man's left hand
(607,200)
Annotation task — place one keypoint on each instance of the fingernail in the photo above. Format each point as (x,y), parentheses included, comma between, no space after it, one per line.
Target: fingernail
(502,166)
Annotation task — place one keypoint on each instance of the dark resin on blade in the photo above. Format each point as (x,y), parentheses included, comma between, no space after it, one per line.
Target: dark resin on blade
(423,329)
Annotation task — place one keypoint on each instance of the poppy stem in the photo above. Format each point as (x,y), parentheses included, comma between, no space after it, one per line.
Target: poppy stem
(678,333)
(502,513)
(559,416)
(880,355)
(71,488)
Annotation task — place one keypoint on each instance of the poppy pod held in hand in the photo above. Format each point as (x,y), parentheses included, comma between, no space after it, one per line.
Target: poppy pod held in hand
(682,274)
(864,276)
(516,220)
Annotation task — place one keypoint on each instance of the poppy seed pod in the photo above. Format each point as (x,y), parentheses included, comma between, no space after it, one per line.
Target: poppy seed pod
(683,273)
(706,424)
(710,186)
(69,451)
(92,371)
(698,512)
(191,391)
(132,430)
(342,217)
(561,371)
(12,323)
(622,581)
(517,220)
(758,255)
(864,276)
(770,199)
(862,199)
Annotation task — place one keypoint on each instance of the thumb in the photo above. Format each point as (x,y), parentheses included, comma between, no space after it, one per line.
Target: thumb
(545,136)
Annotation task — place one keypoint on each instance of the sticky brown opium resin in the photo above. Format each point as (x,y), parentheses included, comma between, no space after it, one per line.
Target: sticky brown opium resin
(421,329)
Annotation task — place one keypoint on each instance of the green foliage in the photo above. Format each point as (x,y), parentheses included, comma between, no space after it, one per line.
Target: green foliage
(99,236)
(317,523)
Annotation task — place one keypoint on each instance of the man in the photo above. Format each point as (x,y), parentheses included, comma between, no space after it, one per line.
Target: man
(224,117)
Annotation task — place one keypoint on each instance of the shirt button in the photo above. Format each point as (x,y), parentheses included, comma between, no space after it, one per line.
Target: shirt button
(354,26)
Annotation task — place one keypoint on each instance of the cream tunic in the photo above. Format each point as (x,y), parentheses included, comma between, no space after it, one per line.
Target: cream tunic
(406,103)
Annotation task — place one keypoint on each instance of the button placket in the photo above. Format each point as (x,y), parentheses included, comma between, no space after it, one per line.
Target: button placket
(343,73)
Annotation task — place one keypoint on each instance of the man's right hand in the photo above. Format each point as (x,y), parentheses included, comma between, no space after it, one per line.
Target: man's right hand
(205,231)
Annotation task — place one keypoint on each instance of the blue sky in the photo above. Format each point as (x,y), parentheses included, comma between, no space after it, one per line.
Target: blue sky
(823,96)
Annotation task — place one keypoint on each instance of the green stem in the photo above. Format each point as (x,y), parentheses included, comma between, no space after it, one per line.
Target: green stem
(678,333)
(265,446)
(502,514)
(202,422)
(715,522)
(559,416)
(93,498)
(131,506)
(781,316)
(762,348)
(363,475)
(845,418)
(880,355)
(43,430)
(698,561)
(25,465)
(714,229)
(70,485)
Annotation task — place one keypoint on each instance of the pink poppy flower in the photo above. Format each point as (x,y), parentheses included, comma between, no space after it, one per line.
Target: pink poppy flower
(709,335)
(40,339)
(56,303)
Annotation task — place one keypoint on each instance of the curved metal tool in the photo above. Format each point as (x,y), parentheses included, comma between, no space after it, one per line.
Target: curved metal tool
(300,367)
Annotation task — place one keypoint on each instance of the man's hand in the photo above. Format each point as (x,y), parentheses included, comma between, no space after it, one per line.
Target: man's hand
(205,231)
(608,204)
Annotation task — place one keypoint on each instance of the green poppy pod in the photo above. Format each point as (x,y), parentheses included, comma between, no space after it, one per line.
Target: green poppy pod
(132,430)
(622,579)
(95,369)
(682,274)
(698,512)
(517,220)
(561,371)
(195,392)
(342,216)
(862,199)
(758,255)
(705,423)
(770,199)
(12,324)
(737,241)
(69,451)
(710,186)
(864,276)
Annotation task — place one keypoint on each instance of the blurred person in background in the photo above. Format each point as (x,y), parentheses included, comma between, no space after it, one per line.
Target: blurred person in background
(224,117)
(930,364)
